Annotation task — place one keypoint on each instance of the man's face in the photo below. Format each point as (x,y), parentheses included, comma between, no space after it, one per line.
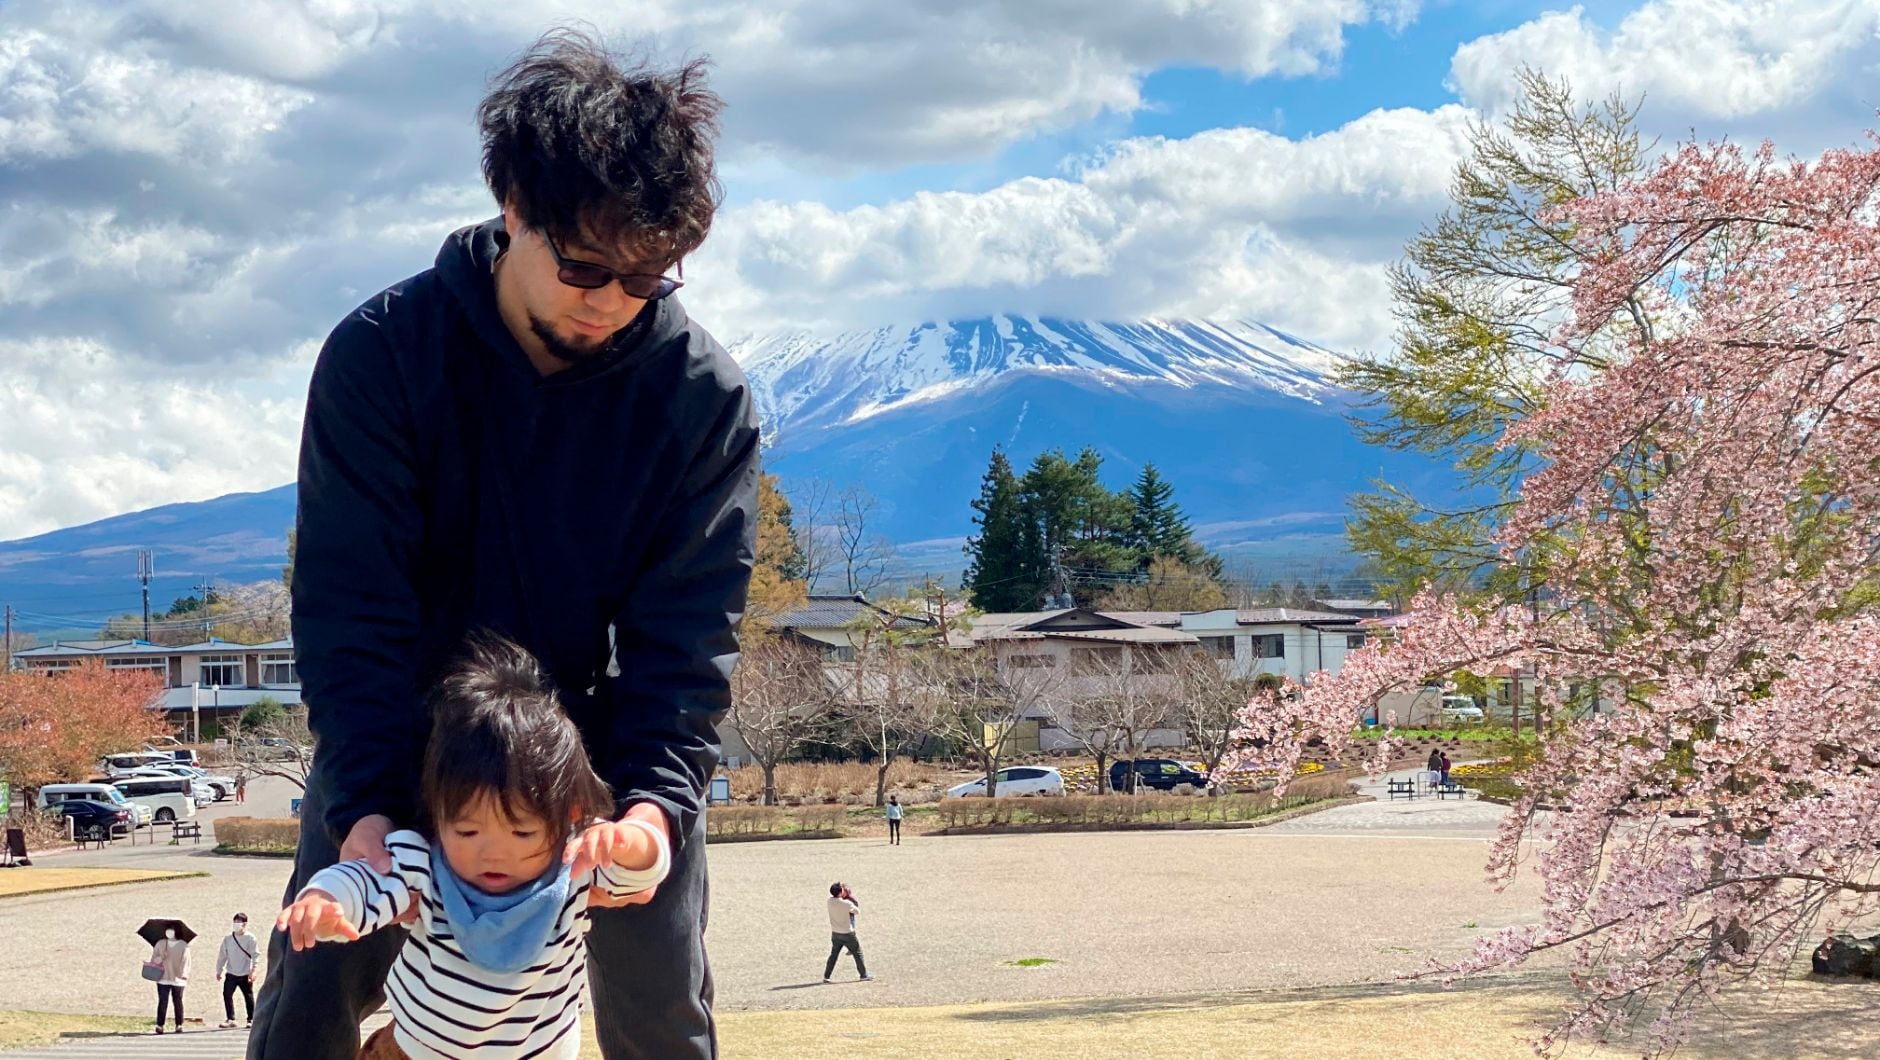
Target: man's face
(572,323)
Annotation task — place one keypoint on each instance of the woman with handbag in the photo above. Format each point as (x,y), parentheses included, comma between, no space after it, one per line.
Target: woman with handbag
(169,967)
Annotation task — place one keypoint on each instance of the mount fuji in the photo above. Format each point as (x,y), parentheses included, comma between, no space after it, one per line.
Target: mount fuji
(1244,419)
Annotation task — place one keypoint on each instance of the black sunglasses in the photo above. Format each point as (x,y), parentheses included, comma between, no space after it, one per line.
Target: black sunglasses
(589,276)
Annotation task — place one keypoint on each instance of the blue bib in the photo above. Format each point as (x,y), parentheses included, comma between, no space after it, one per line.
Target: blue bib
(501,932)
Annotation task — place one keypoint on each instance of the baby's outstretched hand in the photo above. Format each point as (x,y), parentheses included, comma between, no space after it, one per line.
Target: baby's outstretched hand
(610,843)
(312,917)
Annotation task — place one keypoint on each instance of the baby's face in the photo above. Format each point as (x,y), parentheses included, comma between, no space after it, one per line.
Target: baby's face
(494,852)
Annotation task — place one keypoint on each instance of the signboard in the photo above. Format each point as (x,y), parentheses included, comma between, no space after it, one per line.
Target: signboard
(720,794)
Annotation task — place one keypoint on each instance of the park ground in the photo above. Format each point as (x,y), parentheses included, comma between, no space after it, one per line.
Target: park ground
(1290,938)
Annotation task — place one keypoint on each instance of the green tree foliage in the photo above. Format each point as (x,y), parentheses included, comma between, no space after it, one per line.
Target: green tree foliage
(1478,296)
(1058,528)
(1006,572)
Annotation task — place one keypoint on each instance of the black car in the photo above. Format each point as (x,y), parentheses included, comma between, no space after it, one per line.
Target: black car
(86,814)
(1159,774)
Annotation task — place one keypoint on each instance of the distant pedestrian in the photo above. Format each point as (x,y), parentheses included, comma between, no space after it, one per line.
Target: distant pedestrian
(1436,761)
(235,966)
(172,954)
(894,821)
(842,912)
(241,788)
(1445,768)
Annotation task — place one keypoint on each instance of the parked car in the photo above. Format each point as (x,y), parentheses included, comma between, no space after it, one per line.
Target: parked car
(1160,774)
(86,813)
(1015,780)
(199,790)
(114,765)
(270,748)
(171,799)
(1460,709)
(185,755)
(219,785)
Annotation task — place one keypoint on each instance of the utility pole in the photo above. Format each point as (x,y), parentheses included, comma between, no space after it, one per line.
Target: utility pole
(6,661)
(146,569)
(207,587)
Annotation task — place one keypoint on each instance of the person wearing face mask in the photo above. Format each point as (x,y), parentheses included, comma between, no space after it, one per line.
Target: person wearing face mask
(235,966)
(173,954)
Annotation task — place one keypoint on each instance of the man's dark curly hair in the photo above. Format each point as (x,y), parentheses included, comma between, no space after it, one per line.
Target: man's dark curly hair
(604,149)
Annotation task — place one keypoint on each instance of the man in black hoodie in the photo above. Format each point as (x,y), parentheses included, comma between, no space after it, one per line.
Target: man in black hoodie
(532,438)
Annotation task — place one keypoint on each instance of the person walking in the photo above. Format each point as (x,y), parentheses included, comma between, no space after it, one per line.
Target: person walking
(843,909)
(172,954)
(235,967)
(1444,767)
(241,789)
(533,439)
(894,821)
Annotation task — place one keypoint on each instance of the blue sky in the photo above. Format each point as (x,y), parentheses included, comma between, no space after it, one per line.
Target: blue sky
(191,194)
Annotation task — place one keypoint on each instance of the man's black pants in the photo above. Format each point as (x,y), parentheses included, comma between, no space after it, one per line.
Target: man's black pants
(650,982)
(244,983)
(844,940)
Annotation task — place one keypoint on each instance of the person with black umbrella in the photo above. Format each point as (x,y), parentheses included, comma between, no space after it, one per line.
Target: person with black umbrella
(168,964)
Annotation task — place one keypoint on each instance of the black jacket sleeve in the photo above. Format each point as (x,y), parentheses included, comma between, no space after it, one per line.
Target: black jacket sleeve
(355,605)
(675,640)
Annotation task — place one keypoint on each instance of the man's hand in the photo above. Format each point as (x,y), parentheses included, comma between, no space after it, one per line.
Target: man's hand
(366,842)
(315,916)
(643,811)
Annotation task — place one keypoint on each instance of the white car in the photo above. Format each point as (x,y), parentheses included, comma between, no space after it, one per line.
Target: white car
(1014,780)
(201,792)
(1460,709)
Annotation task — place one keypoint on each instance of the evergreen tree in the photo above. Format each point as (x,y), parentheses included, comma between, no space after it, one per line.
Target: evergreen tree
(1157,526)
(1082,527)
(1006,572)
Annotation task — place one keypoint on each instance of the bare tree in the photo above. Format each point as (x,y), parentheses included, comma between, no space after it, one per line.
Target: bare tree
(898,690)
(780,700)
(1116,696)
(983,704)
(281,746)
(812,505)
(1209,705)
(862,553)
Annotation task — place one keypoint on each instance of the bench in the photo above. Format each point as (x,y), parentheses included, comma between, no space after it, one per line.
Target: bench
(96,834)
(1406,788)
(191,830)
(1443,791)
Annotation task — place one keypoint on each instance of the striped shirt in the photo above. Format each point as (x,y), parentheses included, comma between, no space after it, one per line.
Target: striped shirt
(443,1006)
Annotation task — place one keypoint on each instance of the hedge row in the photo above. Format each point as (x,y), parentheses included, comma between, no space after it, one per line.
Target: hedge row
(770,820)
(258,835)
(1112,810)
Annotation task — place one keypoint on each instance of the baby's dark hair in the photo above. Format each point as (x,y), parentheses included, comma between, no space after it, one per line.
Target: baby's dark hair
(497,728)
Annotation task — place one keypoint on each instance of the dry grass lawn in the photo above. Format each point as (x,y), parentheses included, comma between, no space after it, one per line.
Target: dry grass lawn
(36,879)
(20,1029)
(1805,1019)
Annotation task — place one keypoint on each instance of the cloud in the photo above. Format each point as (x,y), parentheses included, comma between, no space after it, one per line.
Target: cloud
(82,437)
(1231,222)
(1798,71)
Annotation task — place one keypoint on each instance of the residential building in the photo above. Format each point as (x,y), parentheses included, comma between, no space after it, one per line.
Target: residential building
(217,678)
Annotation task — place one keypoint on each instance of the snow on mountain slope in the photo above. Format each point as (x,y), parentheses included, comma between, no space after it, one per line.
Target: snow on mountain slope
(806,381)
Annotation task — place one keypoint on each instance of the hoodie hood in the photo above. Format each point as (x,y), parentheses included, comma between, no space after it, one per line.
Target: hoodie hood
(466,264)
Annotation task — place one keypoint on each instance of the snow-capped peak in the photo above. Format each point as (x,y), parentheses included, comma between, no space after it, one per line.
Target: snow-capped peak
(801,378)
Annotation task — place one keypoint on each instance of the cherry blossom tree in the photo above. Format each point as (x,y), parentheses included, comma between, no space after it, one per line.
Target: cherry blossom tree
(1707,507)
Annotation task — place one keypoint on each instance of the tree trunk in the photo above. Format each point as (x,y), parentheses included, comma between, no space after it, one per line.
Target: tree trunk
(770,783)
(881,780)
(1103,773)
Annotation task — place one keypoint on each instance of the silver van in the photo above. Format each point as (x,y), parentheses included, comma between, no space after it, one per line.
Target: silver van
(170,800)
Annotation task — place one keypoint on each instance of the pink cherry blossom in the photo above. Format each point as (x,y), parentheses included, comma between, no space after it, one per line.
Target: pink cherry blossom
(1707,511)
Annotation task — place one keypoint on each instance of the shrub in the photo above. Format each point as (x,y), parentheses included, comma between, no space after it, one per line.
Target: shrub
(821,819)
(742,820)
(1100,811)
(257,835)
